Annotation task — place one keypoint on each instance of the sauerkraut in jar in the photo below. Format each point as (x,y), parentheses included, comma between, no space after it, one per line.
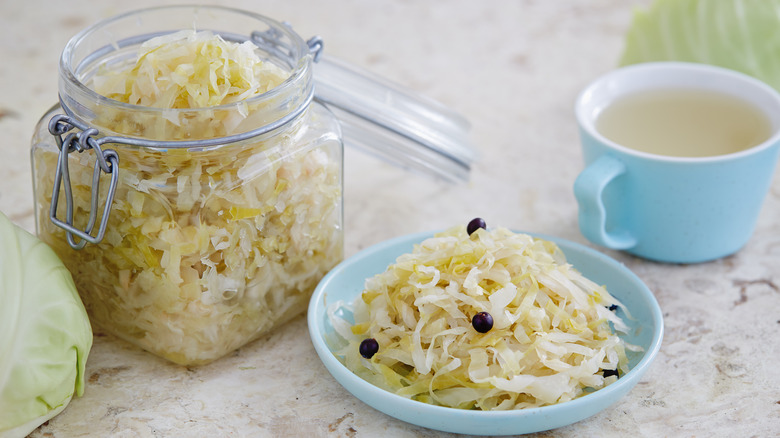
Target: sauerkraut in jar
(227,208)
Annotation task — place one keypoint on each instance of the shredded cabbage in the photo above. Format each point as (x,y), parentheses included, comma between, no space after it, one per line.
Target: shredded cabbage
(552,334)
(189,69)
(205,249)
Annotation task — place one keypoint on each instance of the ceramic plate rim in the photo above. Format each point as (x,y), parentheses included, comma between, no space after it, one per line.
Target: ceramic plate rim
(478,422)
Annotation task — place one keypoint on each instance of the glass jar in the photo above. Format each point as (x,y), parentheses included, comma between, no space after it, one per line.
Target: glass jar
(192,231)
(222,219)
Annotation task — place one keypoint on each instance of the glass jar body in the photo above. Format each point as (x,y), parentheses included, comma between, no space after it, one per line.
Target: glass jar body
(206,248)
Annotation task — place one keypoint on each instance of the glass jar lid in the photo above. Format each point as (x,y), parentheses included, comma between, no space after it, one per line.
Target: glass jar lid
(394,123)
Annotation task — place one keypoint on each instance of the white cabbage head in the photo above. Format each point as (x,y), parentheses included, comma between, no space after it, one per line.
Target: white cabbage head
(45,335)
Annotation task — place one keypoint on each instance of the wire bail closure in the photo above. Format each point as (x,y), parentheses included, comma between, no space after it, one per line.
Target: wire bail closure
(106,161)
(272,41)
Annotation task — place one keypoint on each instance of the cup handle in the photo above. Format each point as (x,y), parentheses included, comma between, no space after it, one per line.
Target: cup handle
(588,189)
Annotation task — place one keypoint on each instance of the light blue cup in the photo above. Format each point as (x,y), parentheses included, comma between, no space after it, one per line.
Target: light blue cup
(672,209)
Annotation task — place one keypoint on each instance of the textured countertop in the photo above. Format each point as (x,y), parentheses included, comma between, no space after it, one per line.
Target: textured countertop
(514,70)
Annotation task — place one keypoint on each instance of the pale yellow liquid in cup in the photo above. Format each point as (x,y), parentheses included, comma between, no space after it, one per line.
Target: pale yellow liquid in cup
(684,123)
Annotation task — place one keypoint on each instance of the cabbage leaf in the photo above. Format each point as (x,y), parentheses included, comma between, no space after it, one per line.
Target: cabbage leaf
(45,335)
(742,35)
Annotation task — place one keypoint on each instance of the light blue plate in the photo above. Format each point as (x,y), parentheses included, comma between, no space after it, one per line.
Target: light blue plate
(345,282)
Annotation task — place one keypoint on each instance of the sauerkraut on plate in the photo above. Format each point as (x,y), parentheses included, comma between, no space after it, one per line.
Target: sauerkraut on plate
(492,320)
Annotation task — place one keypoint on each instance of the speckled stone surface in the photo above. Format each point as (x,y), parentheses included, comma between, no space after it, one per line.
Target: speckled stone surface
(513,69)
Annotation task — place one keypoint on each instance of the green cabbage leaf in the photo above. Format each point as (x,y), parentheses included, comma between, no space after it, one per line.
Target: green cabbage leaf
(45,335)
(742,35)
